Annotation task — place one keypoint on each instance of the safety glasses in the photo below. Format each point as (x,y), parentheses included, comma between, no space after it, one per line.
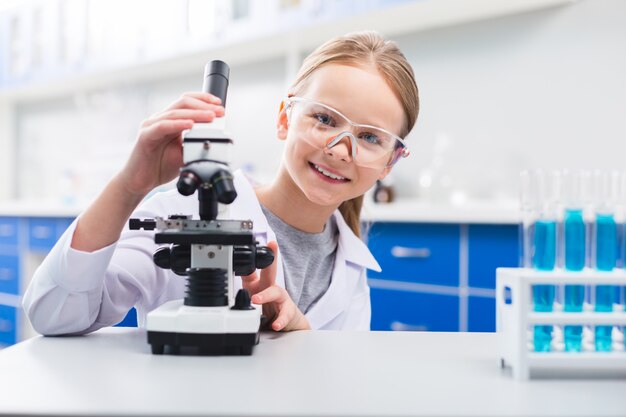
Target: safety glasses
(324,127)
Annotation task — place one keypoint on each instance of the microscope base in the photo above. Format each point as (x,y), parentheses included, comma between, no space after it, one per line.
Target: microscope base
(202,344)
(174,328)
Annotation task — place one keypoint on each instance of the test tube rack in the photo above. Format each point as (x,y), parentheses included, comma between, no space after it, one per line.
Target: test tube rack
(515,319)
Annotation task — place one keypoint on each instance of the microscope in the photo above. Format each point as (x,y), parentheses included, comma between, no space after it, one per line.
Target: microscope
(209,251)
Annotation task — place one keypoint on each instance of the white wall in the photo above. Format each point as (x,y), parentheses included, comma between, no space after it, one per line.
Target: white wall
(70,147)
(7,159)
(543,89)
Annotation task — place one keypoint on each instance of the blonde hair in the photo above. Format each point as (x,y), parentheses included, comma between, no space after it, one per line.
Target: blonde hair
(357,49)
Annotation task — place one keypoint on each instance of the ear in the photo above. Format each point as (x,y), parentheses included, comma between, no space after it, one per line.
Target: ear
(384,173)
(282,124)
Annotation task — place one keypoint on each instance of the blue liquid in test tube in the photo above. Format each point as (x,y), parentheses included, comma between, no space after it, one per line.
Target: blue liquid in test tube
(606,254)
(544,258)
(575,252)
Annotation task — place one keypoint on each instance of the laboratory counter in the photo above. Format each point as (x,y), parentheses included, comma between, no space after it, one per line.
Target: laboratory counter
(312,373)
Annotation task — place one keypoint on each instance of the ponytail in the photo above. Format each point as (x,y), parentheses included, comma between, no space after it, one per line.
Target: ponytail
(351,212)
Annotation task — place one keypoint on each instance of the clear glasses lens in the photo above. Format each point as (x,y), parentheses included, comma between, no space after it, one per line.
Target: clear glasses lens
(319,125)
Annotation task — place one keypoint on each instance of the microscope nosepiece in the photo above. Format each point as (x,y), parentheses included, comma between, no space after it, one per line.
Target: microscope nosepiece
(223,182)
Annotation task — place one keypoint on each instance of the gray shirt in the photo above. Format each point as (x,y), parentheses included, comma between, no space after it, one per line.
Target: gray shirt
(308,259)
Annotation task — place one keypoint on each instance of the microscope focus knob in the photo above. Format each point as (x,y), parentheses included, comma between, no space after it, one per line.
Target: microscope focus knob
(264,257)
(161,258)
(242,301)
(175,257)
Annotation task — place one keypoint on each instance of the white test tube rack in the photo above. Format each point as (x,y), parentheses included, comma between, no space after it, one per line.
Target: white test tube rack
(515,319)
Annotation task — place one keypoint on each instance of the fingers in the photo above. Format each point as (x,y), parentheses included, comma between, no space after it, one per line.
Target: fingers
(208,97)
(196,101)
(268,275)
(249,282)
(273,294)
(199,107)
(286,307)
(198,116)
(254,282)
(285,317)
(166,128)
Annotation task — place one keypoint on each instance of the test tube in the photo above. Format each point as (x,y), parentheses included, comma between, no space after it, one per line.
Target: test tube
(575,188)
(621,212)
(528,204)
(606,247)
(543,256)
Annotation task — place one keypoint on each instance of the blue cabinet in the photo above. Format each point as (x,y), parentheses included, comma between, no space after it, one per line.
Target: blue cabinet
(417,311)
(9,231)
(9,274)
(481,314)
(490,247)
(438,277)
(415,252)
(8,331)
(130,320)
(42,234)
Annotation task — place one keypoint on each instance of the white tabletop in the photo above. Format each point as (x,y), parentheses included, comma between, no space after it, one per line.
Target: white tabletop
(111,372)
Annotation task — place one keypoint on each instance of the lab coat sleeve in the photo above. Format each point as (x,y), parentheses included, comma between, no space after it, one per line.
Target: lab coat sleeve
(65,292)
(75,292)
(359,314)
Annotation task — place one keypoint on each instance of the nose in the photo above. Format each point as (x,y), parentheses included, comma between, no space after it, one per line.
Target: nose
(342,146)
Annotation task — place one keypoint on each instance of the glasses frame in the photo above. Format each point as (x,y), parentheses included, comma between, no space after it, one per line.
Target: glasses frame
(405,152)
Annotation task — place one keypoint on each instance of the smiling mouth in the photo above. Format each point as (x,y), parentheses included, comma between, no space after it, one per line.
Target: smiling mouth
(328,175)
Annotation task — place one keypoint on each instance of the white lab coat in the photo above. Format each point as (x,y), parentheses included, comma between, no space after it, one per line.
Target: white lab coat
(76,292)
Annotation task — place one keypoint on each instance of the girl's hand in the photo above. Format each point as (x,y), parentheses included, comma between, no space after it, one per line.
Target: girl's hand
(157,155)
(278,307)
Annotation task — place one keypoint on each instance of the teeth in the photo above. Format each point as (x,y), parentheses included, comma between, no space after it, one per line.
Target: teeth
(328,174)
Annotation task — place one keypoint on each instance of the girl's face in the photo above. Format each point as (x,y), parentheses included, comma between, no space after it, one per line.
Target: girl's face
(329,177)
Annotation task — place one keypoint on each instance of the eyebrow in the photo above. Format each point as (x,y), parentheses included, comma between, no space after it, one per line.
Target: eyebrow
(368,123)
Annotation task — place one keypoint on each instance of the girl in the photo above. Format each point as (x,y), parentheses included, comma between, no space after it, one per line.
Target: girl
(343,121)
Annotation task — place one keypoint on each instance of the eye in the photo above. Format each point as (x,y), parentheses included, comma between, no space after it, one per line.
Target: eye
(324,119)
(370,138)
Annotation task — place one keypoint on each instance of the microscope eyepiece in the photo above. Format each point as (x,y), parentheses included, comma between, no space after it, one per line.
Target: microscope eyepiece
(216,75)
